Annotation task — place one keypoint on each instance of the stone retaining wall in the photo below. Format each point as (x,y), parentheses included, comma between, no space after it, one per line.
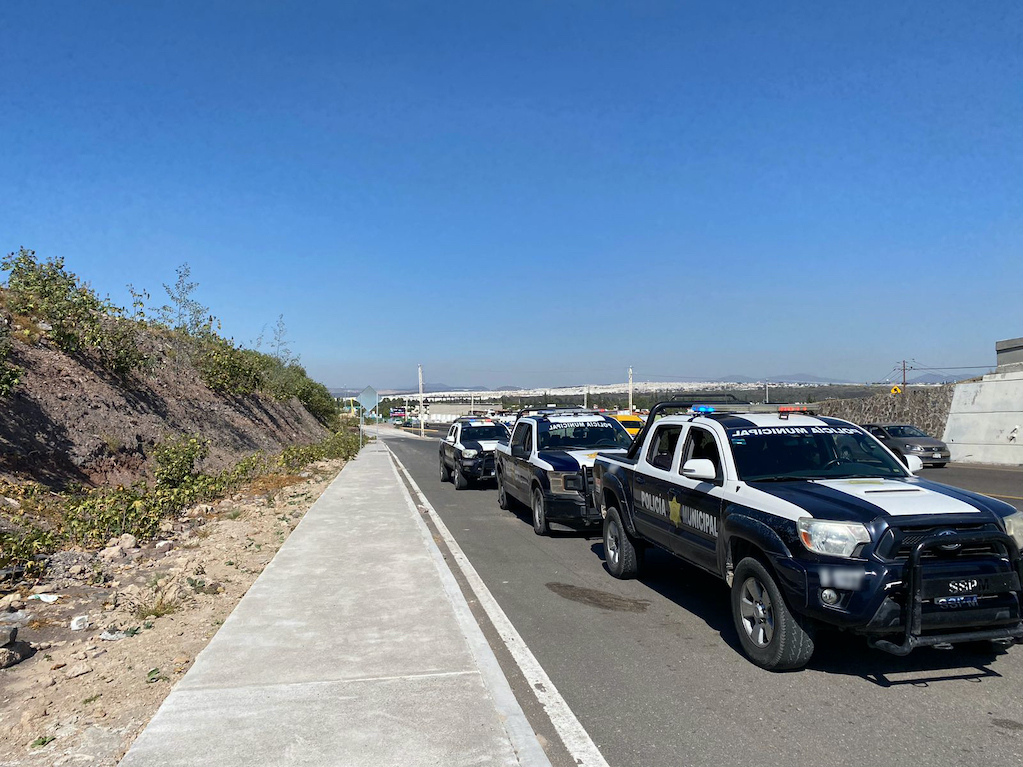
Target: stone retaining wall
(927,409)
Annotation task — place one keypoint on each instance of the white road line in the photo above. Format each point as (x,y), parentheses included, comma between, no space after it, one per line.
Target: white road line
(577,741)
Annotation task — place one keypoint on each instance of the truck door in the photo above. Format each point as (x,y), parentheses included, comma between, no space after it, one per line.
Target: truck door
(517,471)
(652,484)
(696,517)
(448,445)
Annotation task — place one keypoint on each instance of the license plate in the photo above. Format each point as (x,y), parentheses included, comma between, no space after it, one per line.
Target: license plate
(936,455)
(972,586)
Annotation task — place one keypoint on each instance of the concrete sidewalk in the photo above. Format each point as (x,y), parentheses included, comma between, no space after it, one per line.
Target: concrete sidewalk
(354,647)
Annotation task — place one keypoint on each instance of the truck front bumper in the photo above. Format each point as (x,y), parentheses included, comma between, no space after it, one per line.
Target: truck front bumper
(572,510)
(901,606)
(482,466)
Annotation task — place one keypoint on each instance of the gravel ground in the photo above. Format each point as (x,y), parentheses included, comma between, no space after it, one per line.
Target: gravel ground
(80,699)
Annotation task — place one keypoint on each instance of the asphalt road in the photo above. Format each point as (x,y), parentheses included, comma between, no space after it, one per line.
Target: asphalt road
(652,668)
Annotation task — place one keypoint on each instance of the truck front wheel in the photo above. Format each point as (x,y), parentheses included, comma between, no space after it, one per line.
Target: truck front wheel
(503,499)
(620,552)
(771,635)
(540,524)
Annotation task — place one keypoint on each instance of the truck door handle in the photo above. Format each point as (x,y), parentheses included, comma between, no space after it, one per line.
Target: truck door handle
(639,479)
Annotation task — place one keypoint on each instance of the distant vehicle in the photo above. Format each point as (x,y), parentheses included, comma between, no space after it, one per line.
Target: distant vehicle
(547,465)
(806,537)
(631,423)
(467,452)
(904,439)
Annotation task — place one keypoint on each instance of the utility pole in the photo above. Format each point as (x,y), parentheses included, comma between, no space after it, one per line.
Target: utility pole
(767,393)
(630,388)
(422,411)
(904,378)
(586,397)
(470,402)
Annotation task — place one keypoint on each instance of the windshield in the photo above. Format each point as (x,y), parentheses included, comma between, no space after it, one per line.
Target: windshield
(904,431)
(631,423)
(576,433)
(809,452)
(480,433)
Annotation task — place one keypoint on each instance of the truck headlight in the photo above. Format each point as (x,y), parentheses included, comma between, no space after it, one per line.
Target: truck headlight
(565,482)
(470,453)
(835,539)
(1014,527)
(916,448)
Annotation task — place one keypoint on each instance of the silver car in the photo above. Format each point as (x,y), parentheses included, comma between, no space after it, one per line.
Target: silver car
(904,439)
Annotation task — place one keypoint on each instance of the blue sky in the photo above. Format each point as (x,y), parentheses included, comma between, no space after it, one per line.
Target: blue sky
(535,193)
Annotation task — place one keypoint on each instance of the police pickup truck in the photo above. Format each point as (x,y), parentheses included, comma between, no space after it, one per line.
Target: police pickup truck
(812,521)
(548,461)
(467,452)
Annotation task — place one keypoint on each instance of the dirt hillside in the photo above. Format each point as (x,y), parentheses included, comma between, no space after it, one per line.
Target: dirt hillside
(70,421)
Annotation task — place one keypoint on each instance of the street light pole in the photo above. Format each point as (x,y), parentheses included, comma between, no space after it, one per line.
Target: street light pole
(630,389)
(422,412)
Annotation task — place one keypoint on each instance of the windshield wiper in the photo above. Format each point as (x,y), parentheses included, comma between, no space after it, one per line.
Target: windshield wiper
(786,478)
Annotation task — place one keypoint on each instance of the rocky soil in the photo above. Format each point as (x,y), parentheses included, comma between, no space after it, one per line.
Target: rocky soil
(103,637)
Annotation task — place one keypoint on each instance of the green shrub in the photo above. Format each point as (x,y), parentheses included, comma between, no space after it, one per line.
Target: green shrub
(89,518)
(9,374)
(319,402)
(225,368)
(79,320)
(176,459)
(341,444)
(20,548)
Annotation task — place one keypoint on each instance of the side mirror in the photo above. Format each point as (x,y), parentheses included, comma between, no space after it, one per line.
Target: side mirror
(913,463)
(450,440)
(699,468)
(518,451)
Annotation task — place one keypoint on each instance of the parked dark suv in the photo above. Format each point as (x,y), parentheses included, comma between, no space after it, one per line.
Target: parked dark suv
(904,439)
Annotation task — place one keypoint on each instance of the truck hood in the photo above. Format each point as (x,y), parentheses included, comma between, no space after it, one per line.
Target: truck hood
(862,500)
(484,446)
(573,460)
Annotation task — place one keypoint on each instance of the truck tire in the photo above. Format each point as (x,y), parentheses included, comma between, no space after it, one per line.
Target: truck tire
(445,472)
(771,635)
(540,524)
(460,480)
(621,554)
(504,500)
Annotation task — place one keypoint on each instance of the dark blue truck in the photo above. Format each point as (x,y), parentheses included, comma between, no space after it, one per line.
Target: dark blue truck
(812,521)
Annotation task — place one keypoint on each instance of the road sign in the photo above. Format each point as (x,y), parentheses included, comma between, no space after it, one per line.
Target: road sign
(368,398)
(896,390)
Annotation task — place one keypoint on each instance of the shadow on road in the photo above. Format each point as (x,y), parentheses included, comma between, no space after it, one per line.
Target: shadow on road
(707,597)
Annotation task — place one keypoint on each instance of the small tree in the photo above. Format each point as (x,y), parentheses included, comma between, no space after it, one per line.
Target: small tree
(280,348)
(184,312)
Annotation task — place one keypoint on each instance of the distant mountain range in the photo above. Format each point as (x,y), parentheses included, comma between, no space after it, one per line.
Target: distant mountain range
(792,378)
(931,378)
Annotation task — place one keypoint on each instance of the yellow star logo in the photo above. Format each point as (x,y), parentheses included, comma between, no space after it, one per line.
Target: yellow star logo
(676,512)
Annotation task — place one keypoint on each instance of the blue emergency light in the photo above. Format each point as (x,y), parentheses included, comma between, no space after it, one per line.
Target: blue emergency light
(703,409)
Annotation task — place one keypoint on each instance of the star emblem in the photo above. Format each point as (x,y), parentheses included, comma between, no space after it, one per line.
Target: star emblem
(676,512)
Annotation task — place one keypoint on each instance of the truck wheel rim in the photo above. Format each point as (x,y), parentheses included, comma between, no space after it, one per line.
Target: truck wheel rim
(757,612)
(538,510)
(613,542)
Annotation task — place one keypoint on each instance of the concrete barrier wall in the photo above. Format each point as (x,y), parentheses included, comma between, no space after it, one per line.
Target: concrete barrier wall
(985,424)
(927,409)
